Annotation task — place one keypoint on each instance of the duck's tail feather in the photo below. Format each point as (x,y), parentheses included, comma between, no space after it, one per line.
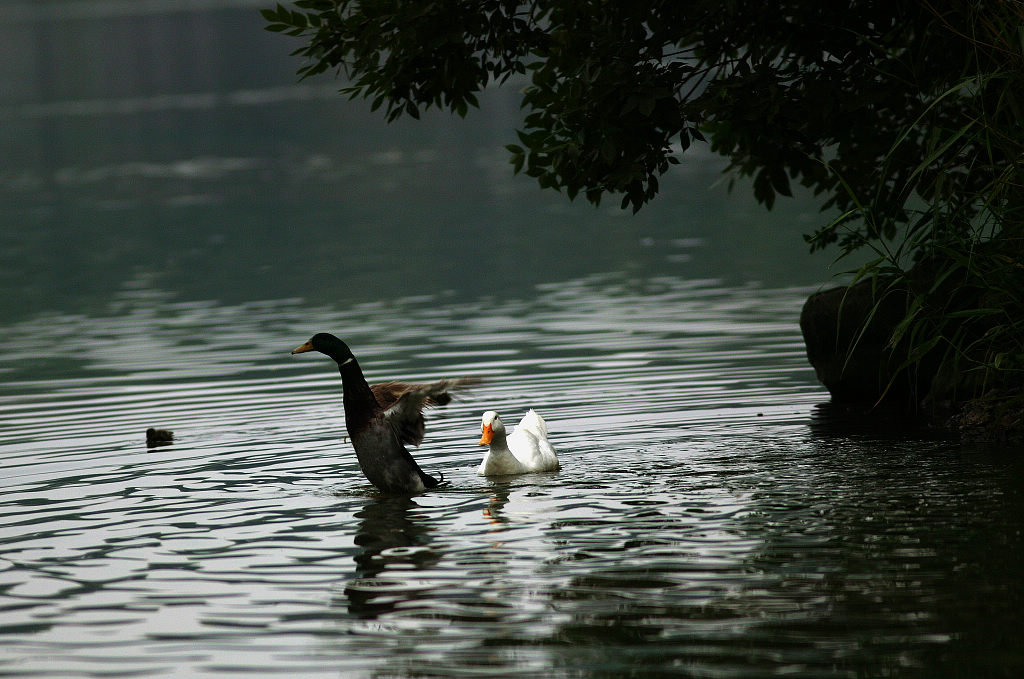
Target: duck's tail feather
(532,421)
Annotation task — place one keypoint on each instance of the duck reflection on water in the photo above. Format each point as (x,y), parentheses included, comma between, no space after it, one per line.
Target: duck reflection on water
(389,536)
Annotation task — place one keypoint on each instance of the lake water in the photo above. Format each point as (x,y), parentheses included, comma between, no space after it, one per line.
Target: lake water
(174,221)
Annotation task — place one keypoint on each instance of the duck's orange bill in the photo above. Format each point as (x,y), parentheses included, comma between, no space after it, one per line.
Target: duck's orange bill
(488,435)
(308,346)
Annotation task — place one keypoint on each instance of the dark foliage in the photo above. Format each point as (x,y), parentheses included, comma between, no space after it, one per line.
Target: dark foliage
(904,115)
(787,90)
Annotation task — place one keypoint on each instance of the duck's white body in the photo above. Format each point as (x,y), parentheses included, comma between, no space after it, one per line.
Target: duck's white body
(525,450)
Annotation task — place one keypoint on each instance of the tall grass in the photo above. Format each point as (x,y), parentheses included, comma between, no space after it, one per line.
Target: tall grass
(958,219)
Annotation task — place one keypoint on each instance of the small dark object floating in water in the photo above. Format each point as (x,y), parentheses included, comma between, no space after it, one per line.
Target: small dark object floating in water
(158,437)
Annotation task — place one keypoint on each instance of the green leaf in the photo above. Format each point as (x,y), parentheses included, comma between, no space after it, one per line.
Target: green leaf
(975,313)
(779,180)
(763,191)
(608,150)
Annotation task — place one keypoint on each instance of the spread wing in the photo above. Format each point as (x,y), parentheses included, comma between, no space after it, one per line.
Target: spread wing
(403,404)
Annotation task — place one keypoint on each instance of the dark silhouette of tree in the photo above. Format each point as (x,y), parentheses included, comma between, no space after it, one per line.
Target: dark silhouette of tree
(904,115)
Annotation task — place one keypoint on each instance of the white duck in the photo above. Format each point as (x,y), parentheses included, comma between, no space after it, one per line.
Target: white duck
(525,450)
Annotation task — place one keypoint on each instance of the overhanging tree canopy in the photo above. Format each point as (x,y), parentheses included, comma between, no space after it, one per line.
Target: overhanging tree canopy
(852,100)
(903,114)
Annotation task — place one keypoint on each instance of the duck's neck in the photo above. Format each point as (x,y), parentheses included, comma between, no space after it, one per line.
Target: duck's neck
(499,444)
(360,404)
(499,459)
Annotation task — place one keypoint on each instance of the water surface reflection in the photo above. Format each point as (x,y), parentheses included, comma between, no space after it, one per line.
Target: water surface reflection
(389,538)
(707,518)
(170,234)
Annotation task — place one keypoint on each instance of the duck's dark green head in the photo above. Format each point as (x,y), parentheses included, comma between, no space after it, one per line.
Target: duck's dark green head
(327,343)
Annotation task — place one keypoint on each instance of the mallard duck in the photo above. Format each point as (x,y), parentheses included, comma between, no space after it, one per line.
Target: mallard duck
(525,450)
(384,417)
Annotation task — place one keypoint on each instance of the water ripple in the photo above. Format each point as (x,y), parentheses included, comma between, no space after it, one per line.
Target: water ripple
(697,524)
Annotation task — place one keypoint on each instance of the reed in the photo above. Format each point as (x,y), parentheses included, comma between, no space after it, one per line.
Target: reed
(946,233)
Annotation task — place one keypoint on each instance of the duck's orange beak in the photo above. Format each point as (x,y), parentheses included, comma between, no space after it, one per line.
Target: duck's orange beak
(488,435)
(308,346)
